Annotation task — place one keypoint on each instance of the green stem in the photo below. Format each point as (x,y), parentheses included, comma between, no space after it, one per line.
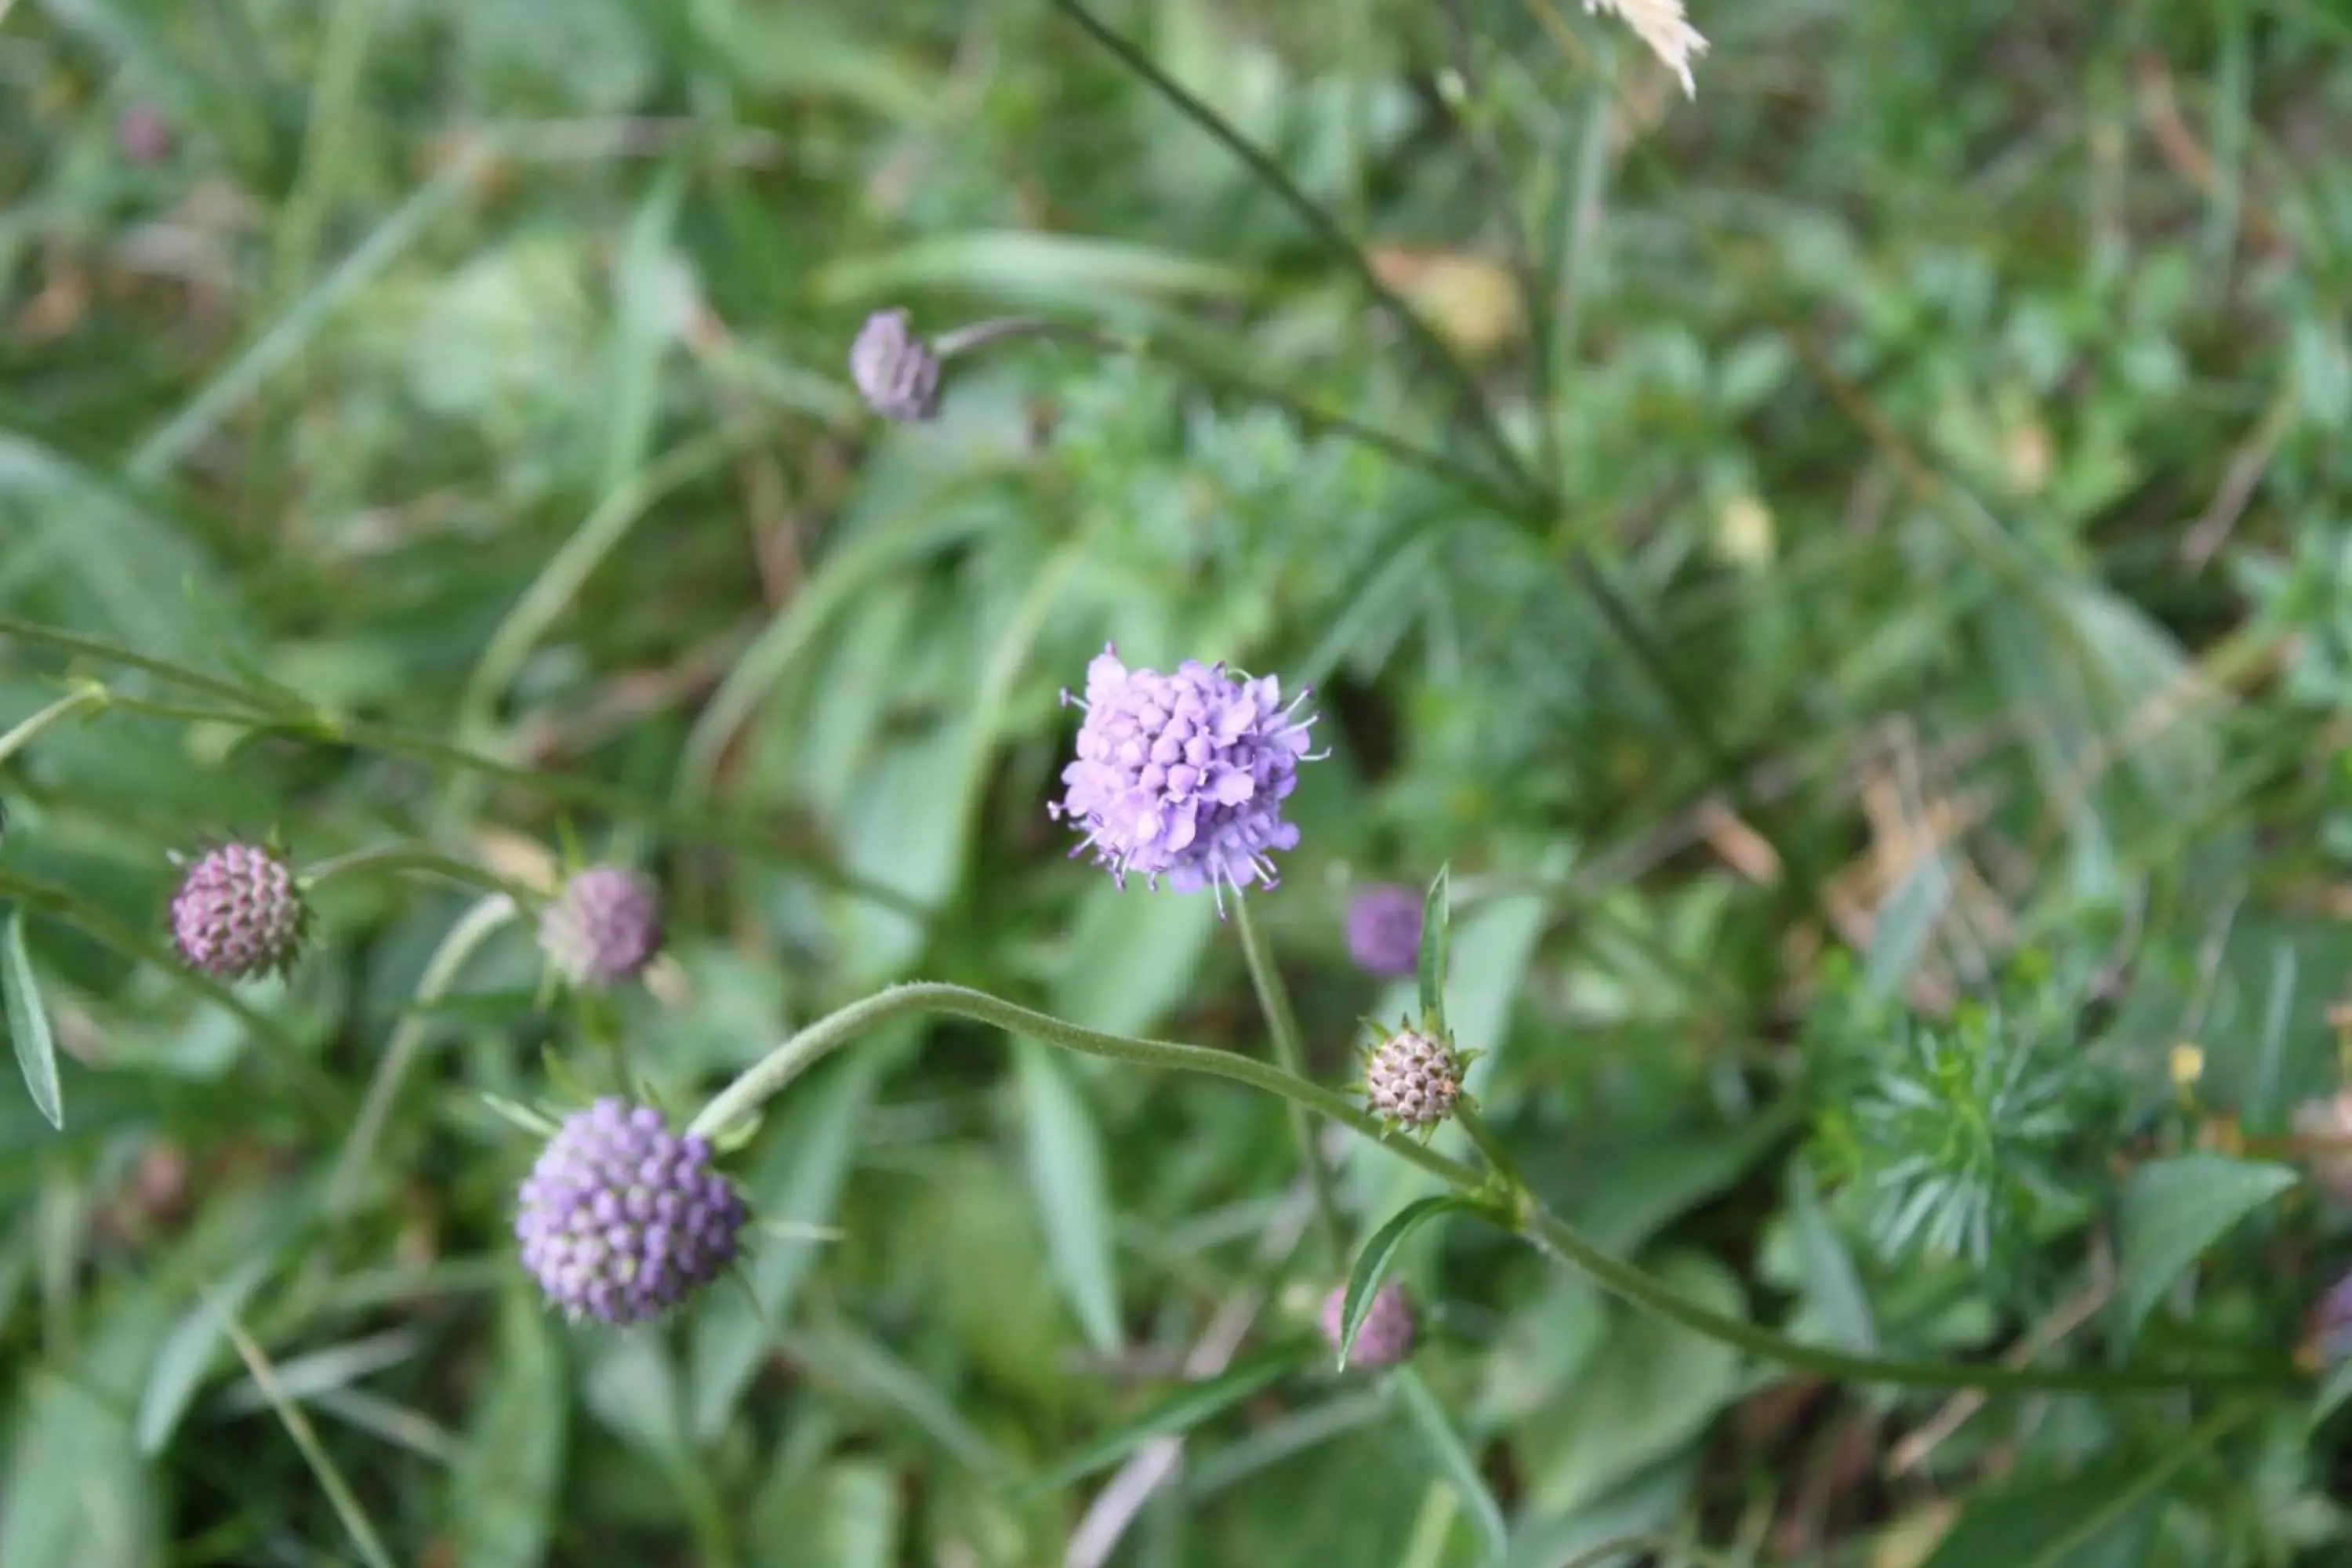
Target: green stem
(768,1077)
(1335,239)
(1281,1023)
(64,707)
(464,939)
(410,858)
(1490,1149)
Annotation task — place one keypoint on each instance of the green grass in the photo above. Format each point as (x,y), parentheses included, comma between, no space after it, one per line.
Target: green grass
(1849,574)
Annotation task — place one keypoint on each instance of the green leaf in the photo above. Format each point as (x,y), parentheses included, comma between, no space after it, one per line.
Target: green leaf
(1831,1283)
(1436,913)
(190,1350)
(1372,1262)
(2333,1389)
(803,1166)
(2172,1211)
(1900,929)
(504,1487)
(28,1022)
(1072,1191)
(1454,1459)
(864,1365)
(1187,1407)
(75,1493)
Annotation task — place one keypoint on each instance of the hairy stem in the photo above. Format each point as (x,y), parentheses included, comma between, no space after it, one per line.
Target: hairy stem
(1282,1025)
(768,1077)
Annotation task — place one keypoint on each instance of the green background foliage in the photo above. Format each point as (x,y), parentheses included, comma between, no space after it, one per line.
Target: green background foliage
(1875,660)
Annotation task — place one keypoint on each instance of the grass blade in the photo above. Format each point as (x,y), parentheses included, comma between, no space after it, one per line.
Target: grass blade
(1182,1411)
(1072,1190)
(314,1453)
(1455,1460)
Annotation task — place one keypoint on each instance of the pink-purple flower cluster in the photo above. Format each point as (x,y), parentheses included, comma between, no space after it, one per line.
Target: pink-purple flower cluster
(1385,1336)
(1183,776)
(622,1220)
(604,927)
(239,912)
(1384,930)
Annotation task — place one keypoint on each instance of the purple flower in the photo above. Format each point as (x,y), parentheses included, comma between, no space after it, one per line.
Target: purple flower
(1385,1337)
(896,372)
(1183,776)
(622,1220)
(238,913)
(1385,928)
(604,927)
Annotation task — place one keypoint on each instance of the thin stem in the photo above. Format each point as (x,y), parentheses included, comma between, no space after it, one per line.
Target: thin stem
(1281,1023)
(1327,229)
(768,1077)
(16,740)
(464,939)
(1177,357)
(1487,148)
(111,653)
(410,857)
(1490,1149)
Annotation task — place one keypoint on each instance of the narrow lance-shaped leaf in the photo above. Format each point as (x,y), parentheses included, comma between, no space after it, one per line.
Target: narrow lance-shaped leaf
(1188,1407)
(1434,915)
(1372,1262)
(28,1022)
(1455,1460)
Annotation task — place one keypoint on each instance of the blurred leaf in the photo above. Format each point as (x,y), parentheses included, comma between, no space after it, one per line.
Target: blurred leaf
(195,1342)
(1372,1262)
(29,1021)
(1899,931)
(865,1365)
(1186,1407)
(1072,1191)
(1429,970)
(2172,1211)
(75,1493)
(1651,1388)
(2103,1518)
(2333,1389)
(1455,1461)
(1131,956)
(505,1487)
(1047,268)
(849,1515)
(803,1162)
(1490,954)
(1832,1286)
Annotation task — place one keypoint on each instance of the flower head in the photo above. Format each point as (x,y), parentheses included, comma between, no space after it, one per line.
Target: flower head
(1385,928)
(1385,1336)
(1414,1078)
(604,927)
(239,912)
(622,1220)
(1183,776)
(897,371)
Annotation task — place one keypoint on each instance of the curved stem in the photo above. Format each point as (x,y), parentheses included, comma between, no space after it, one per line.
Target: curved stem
(473,928)
(1482,1138)
(409,857)
(64,707)
(768,1077)
(1283,1026)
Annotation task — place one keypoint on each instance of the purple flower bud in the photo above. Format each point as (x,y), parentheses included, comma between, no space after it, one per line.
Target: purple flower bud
(143,134)
(897,371)
(1414,1079)
(1385,1337)
(579,1223)
(1183,776)
(1385,928)
(604,928)
(238,913)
